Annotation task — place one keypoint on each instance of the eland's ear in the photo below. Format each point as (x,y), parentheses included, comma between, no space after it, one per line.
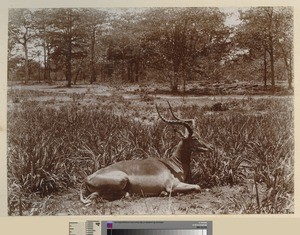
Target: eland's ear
(182,136)
(190,122)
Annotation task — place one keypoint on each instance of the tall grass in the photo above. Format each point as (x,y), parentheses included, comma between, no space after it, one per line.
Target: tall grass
(51,149)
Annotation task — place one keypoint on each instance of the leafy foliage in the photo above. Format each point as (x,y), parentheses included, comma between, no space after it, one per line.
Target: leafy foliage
(266,34)
(166,44)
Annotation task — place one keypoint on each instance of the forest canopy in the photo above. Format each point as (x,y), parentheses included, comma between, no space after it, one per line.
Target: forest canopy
(174,45)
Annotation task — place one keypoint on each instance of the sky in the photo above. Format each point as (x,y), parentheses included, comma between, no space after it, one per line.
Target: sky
(233,19)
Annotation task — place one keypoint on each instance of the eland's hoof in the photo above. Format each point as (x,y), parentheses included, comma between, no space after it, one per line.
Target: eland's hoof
(197,188)
(163,194)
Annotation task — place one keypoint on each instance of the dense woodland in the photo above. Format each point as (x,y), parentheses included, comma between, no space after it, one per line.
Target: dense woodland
(173,45)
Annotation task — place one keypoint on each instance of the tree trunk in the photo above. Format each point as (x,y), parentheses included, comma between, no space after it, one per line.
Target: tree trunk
(289,71)
(39,72)
(271,47)
(175,79)
(129,72)
(69,65)
(288,66)
(45,61)
(26,63)
(92,62)
(48,68)
(290,78)
(184,75)
(77,74)
(272,67)
(69,50)
(265,68)
(137,70)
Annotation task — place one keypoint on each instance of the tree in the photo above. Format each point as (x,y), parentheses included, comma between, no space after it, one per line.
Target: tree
(183,40)
(42,21)
(285,41)
(125,44)
(94,20)
(262,32)
(69,37)
(21,31)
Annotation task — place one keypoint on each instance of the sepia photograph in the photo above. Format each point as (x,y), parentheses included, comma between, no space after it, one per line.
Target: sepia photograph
(150,111)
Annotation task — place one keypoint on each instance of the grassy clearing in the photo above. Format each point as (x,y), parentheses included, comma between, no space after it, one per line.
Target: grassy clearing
(51,148)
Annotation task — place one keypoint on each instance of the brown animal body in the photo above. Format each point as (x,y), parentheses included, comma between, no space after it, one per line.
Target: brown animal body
(152,176)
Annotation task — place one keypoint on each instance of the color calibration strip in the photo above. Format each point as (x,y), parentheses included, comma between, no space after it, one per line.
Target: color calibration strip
(158,232)
(95,227)
(89,227)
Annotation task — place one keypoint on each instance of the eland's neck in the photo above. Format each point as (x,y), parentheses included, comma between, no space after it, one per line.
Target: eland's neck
(182,158)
